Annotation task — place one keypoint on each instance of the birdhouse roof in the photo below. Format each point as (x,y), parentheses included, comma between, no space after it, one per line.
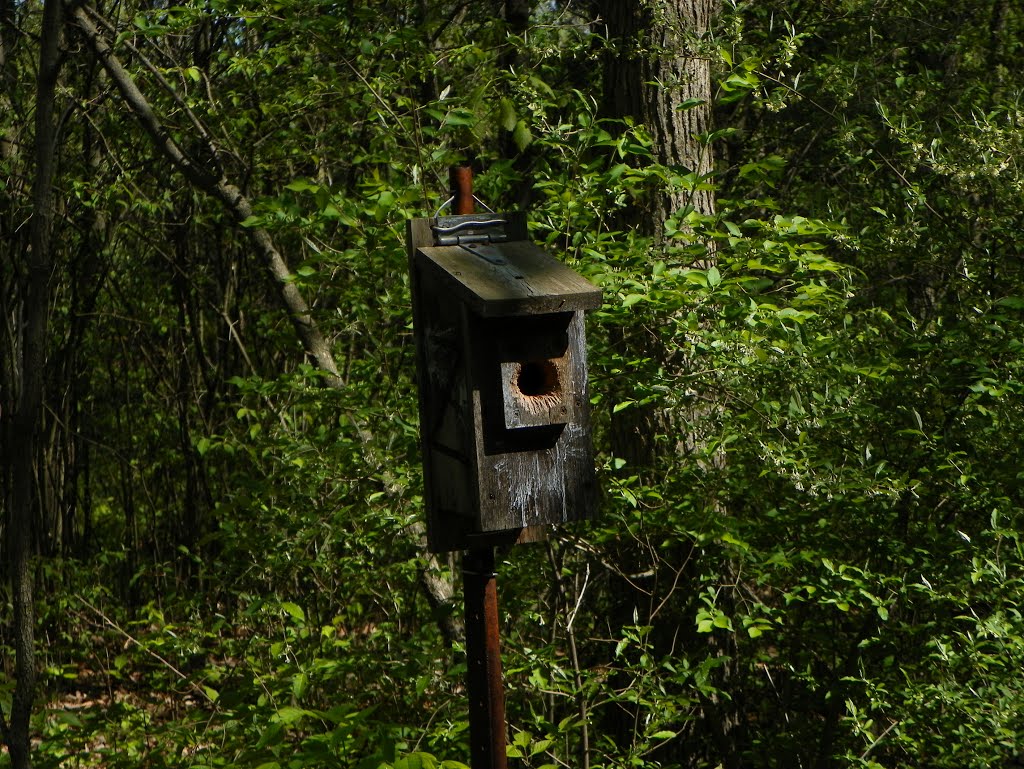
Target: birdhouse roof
(512,278)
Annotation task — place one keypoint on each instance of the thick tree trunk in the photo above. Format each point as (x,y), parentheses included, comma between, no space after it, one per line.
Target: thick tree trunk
(655,67)
(657,74)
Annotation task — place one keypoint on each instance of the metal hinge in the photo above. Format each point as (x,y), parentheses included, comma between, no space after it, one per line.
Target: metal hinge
(470,228)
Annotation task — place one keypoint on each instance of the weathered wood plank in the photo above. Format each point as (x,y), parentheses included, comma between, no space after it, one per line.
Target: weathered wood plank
(539,475)
(526,281)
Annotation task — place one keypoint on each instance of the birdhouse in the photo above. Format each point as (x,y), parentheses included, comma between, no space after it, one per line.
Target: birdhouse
(502,364)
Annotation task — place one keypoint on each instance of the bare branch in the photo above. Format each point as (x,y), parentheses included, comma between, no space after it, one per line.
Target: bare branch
(219,187)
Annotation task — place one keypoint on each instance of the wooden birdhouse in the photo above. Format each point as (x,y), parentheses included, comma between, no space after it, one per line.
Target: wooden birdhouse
(502,364)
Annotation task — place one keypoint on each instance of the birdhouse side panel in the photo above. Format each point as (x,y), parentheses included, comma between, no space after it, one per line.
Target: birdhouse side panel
(446,416)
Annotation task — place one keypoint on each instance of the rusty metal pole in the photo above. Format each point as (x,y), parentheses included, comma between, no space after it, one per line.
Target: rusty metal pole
(483,657)
(460,178)
(480,592)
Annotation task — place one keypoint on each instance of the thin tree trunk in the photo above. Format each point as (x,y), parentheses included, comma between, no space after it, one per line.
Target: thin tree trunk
(27,420)
(86,277)
(8,77)
(517,22)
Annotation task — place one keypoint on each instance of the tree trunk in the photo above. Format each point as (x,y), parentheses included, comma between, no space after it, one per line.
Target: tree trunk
(657,74)
(8,76)
(27,419)
(655,67)
(516,14)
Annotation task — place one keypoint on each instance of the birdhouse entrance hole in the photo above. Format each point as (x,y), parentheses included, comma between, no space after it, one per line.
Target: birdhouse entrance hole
(536,379)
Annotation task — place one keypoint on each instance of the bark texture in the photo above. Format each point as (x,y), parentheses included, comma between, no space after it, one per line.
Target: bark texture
(27,419)
(658,73)
(655,66)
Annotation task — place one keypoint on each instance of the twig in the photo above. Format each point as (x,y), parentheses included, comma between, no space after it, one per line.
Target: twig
(878,739)
(570,633)
(171,91)
(114,626)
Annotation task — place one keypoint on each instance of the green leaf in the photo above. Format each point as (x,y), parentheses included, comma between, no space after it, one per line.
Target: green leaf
(294,610)
(540,746)
(733,540)
(289,715)
(629,496)
(521,135)
(417,760)
(617,171)
(632,299)
(688,104)
(460,117)
(698,277)
(68,718)
(299,685)
(507,114)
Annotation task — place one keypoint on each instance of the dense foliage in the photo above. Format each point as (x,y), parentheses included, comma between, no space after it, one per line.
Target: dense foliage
(818,562)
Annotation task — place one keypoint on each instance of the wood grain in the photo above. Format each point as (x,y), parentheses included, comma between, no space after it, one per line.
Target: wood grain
(529,282)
